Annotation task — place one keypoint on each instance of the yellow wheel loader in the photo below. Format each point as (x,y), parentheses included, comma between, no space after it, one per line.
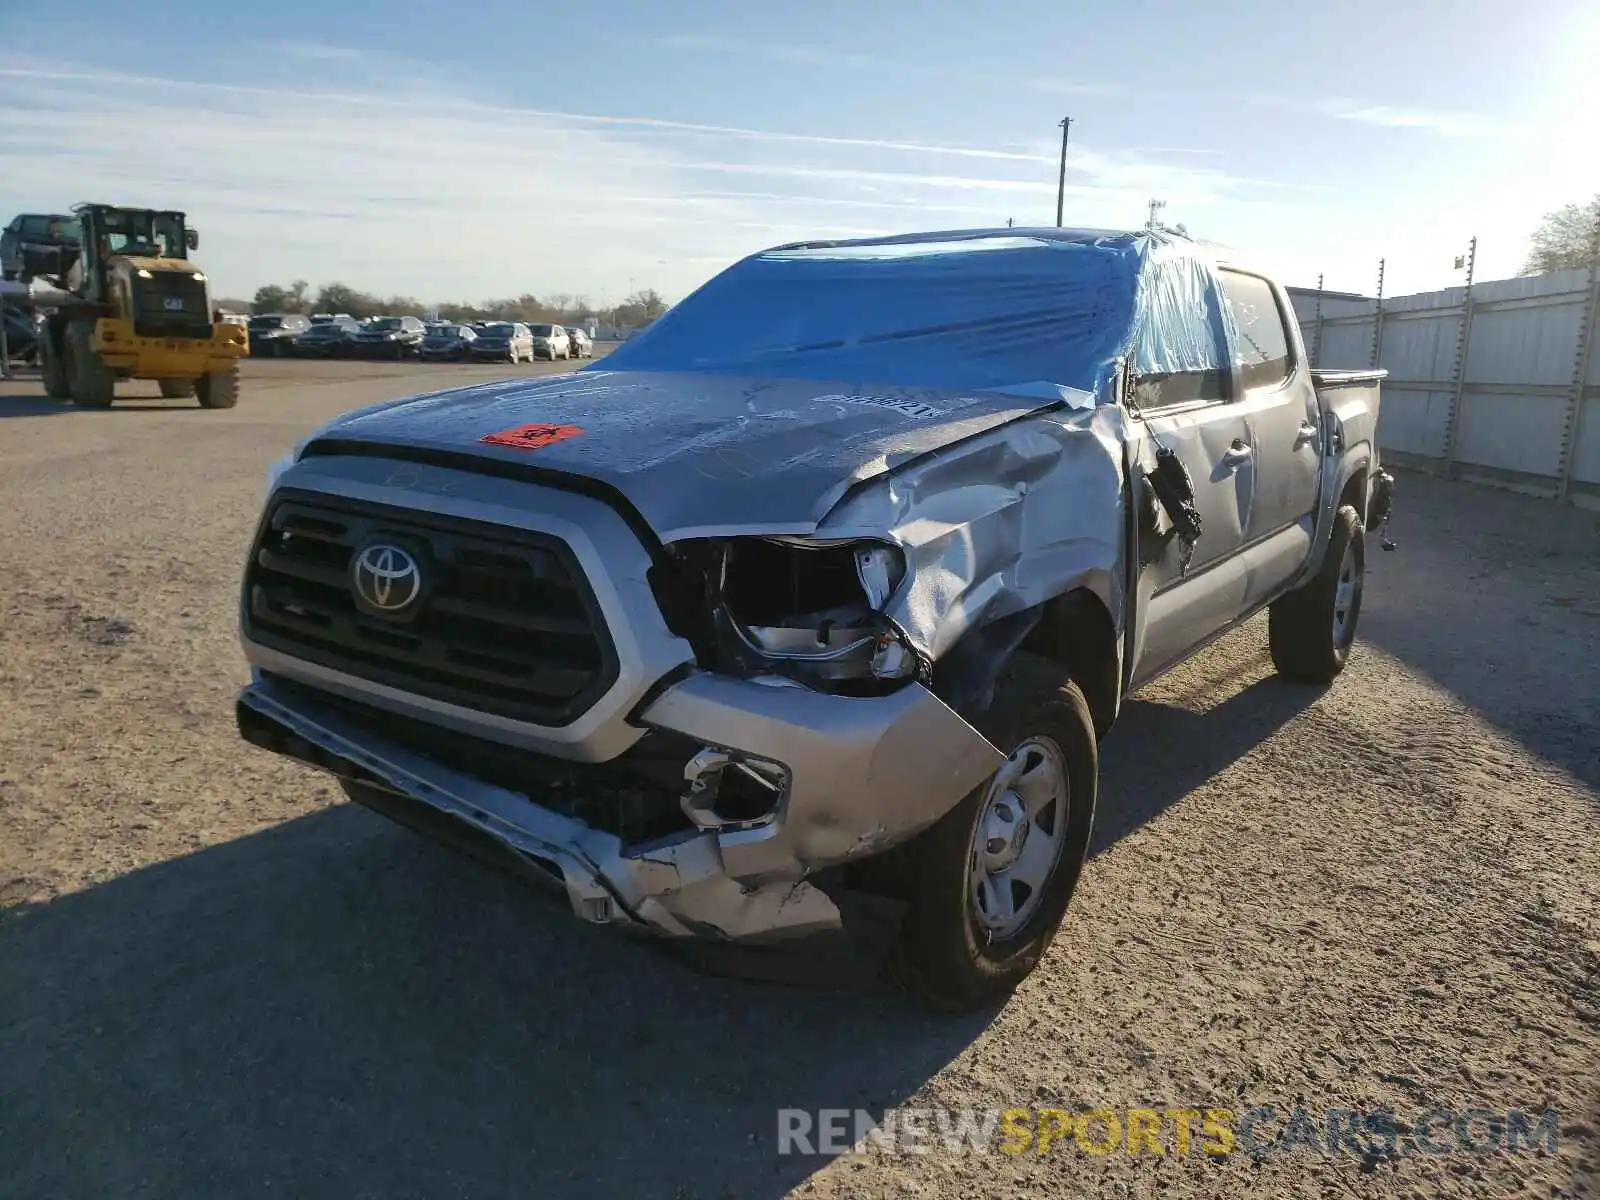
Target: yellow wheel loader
(132,306)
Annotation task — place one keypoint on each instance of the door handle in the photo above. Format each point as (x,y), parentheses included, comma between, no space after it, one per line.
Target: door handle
(1307,432)
(1236,454)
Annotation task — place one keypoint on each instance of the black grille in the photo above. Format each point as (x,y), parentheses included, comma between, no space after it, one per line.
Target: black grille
(507,624)
(153,301)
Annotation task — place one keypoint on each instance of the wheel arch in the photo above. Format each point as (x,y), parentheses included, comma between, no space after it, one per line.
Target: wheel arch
(1073,631)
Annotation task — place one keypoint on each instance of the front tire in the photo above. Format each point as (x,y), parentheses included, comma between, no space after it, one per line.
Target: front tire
(52,365)
(218,389)
(1312,629)
(89,380)
(988,885)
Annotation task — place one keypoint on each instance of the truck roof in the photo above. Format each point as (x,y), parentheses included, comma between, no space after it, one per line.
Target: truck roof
(1031,311)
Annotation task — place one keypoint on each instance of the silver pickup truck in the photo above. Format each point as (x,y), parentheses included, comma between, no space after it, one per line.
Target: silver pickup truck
(825,586)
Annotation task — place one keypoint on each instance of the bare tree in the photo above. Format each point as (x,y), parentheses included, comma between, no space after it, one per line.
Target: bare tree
(1565,239)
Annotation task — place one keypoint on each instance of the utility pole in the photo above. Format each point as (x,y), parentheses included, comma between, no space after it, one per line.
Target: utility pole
(1061,181)
(1155,214)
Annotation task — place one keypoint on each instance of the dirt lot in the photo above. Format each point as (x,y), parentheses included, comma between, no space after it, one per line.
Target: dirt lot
(218,979)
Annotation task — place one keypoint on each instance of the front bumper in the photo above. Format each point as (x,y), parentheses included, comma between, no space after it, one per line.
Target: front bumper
(864,775)
(491,354)
(123,350)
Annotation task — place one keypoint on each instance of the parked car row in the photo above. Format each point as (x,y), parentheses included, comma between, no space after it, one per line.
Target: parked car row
(339,335)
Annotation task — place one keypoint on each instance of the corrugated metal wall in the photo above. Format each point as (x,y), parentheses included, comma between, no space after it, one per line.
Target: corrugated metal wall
(1483,383)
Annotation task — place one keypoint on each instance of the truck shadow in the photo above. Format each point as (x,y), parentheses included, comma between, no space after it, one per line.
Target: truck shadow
(1156,754)
(337,1007)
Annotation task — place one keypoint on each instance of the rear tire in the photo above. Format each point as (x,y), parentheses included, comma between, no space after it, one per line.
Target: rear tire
(218,389)
(177,389)
(1312,629)
(89,381)
(968,940)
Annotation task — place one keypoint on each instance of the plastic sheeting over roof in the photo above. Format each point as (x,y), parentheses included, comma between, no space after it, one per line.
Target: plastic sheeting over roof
(1026,311)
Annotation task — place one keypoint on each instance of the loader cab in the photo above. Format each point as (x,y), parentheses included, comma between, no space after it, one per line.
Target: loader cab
(135,262)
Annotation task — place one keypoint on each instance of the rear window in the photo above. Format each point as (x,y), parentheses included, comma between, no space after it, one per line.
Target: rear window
(539,330)
(49,229)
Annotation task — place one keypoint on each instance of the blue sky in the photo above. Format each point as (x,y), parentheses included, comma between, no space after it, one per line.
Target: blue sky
(487,149)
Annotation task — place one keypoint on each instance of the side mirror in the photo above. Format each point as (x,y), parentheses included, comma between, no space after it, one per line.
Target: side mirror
(191,238)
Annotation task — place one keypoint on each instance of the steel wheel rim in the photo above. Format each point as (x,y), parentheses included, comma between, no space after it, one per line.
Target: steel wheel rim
(1346,598)
(1017,838)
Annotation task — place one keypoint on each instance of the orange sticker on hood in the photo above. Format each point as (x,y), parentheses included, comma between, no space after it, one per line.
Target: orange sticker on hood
(532,437)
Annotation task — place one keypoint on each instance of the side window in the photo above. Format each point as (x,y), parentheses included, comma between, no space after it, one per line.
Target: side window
(1180,387)
(1263,341)
(1200,340)
(35,229)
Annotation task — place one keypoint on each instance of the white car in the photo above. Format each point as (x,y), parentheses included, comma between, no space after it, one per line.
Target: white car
(582,346)
(550,341)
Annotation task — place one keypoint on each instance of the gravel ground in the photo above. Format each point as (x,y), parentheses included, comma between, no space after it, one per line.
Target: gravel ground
(216,978)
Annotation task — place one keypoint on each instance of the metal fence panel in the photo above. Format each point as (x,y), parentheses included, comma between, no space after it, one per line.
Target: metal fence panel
(1520,416)
(1586,455)
(1511,432)
(1347,346)
(1524,345)
(1413,422)
(1420,348)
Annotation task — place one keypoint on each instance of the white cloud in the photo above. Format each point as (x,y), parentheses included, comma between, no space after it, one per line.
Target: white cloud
(427,190)
(1388,116)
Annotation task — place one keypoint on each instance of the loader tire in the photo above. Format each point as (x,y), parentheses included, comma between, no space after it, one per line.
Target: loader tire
(177,389)
(218,389)
(53,366)
(89,381)
(1311,630)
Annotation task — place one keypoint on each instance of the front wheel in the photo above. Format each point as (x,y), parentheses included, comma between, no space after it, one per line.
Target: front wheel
(1311,630)
(218,389)
(989,884)
(89,380)
(52,366)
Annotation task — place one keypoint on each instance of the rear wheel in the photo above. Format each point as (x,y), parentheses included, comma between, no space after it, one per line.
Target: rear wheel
(1311,630)
(989,884)
(177,389)
(218,389)
(89,381)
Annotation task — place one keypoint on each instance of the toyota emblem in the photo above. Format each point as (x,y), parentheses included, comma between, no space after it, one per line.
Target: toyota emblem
(387,579)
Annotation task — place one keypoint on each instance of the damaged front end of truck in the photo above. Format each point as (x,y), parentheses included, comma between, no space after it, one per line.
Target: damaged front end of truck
(695,638)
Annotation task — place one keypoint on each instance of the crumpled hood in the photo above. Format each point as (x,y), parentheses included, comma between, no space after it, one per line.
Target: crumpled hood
(696,455)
